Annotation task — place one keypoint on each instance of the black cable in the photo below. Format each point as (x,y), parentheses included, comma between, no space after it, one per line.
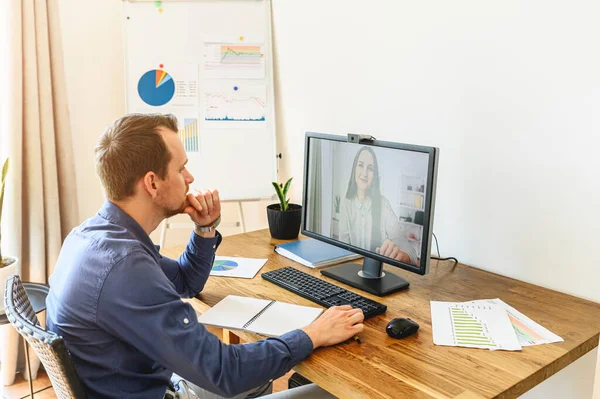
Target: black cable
(438,252)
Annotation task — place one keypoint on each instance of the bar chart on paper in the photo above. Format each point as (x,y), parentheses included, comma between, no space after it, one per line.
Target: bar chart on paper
(188,133)
(472,325)
(468,330)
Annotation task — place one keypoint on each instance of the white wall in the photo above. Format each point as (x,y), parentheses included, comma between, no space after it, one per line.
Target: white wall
(93,54)
(509,92)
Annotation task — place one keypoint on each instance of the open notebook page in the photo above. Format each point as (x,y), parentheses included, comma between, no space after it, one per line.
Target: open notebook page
(281,317)
(233,312)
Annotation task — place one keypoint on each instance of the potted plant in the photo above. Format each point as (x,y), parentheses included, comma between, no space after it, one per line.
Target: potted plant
(284,218)
(8,264)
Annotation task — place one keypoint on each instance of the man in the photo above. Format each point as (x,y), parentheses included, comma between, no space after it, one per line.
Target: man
(117,301)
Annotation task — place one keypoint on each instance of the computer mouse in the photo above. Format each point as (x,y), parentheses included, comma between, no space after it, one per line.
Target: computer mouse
(401,328)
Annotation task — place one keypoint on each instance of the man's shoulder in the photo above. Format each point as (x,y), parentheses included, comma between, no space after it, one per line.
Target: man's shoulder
(98,237)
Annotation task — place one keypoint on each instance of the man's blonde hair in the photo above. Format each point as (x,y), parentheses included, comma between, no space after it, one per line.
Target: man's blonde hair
(129,148)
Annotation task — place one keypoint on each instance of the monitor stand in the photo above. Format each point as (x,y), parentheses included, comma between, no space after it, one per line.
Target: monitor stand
(368,277)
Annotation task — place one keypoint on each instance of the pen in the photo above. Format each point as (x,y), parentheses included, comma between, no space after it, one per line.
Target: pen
(357,339)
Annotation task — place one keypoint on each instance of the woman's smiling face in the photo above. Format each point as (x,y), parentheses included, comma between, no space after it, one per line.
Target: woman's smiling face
(364,171)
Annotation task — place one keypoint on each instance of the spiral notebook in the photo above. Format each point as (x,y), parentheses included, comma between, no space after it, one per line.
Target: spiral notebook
(260,316)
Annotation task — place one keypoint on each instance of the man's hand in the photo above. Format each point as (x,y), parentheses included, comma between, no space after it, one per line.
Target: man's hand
(204,207)
(336,325)
(391,250)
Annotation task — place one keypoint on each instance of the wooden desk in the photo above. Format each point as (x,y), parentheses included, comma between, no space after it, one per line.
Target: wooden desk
(382,367)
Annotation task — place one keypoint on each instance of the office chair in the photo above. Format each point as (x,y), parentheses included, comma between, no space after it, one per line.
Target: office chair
(49,347)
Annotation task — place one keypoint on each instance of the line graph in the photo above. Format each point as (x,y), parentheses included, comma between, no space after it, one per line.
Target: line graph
(250,55)
(244,61)
(235,104)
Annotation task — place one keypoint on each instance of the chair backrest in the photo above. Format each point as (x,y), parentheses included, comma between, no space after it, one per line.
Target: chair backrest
(49,347)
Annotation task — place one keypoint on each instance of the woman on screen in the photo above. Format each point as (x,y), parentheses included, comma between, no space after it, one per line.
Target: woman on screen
(367,219)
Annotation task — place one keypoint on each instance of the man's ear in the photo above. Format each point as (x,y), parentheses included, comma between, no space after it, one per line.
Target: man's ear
(151,182)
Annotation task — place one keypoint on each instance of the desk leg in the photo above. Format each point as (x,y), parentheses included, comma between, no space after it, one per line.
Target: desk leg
(230,338)
(28,368)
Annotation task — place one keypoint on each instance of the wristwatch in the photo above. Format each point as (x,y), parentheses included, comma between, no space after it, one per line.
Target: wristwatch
(209,228)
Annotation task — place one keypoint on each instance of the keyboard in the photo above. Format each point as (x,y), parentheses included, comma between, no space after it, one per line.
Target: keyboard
(321,292)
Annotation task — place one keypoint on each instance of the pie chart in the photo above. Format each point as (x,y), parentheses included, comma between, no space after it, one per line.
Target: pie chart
(224,265)
(156,87)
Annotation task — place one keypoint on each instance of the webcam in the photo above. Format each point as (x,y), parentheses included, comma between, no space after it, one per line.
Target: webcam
(360,138)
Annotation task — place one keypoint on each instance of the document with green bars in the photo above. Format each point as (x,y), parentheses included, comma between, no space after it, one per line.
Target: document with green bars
(474,325)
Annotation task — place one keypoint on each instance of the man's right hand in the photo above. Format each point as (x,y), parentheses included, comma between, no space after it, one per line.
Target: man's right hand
(336,324)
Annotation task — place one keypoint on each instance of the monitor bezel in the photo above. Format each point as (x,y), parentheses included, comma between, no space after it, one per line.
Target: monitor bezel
(433,153)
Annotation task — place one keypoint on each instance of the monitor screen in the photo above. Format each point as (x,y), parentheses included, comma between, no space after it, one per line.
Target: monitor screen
(374,198)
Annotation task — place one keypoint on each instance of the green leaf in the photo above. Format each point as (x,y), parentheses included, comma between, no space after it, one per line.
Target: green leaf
(287,187)
(279,191)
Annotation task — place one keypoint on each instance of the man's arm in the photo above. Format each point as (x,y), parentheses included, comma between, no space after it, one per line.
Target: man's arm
(191,270)
(138,305)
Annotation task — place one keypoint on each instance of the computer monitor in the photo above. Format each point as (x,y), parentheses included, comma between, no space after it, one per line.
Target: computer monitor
(374,198)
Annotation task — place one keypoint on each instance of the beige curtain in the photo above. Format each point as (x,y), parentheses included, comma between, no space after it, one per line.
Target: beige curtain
(41,204)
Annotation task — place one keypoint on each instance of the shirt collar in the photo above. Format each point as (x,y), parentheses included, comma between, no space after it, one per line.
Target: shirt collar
(116,215)
(360,206)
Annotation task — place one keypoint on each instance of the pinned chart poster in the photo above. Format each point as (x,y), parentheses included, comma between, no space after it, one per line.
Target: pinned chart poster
(231,105)
(156,87)
(189,132)
(234,61)
(236,267)
(172,85)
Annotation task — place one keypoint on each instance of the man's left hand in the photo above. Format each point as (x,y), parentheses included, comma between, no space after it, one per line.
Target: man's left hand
(204,207)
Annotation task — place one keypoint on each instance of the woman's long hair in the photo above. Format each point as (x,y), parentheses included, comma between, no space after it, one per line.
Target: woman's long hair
(374,192)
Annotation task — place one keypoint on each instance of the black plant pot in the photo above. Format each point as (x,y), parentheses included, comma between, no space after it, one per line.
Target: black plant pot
(284,225)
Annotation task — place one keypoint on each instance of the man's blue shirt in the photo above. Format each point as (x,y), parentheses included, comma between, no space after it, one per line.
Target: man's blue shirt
(117,303)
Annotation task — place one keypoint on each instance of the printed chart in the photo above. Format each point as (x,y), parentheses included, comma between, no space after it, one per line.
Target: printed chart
(156,87)
(188,133)
(528,331)
(242,61)
(236,267)
(468,330)
(224,105)
(224,265)
(473,325)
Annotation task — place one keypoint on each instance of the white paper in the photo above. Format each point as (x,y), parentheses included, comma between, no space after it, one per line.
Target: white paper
(236,267)
(281,318)
(186,84)
(480,325)
(528,331)
(260,316)
(234,61)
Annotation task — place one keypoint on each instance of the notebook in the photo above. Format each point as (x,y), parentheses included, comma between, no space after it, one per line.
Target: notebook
(260,316)
(314,253)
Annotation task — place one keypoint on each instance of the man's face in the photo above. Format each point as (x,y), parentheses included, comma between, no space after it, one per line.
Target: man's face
(173,189)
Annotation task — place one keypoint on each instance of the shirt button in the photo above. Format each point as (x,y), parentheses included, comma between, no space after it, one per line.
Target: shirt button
(186,321)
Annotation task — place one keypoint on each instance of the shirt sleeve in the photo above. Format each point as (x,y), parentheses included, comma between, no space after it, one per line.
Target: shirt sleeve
(139,305)
(395,231)
(191,270)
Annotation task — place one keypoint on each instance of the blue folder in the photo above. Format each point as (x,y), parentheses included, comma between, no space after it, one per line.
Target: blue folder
(314,253)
